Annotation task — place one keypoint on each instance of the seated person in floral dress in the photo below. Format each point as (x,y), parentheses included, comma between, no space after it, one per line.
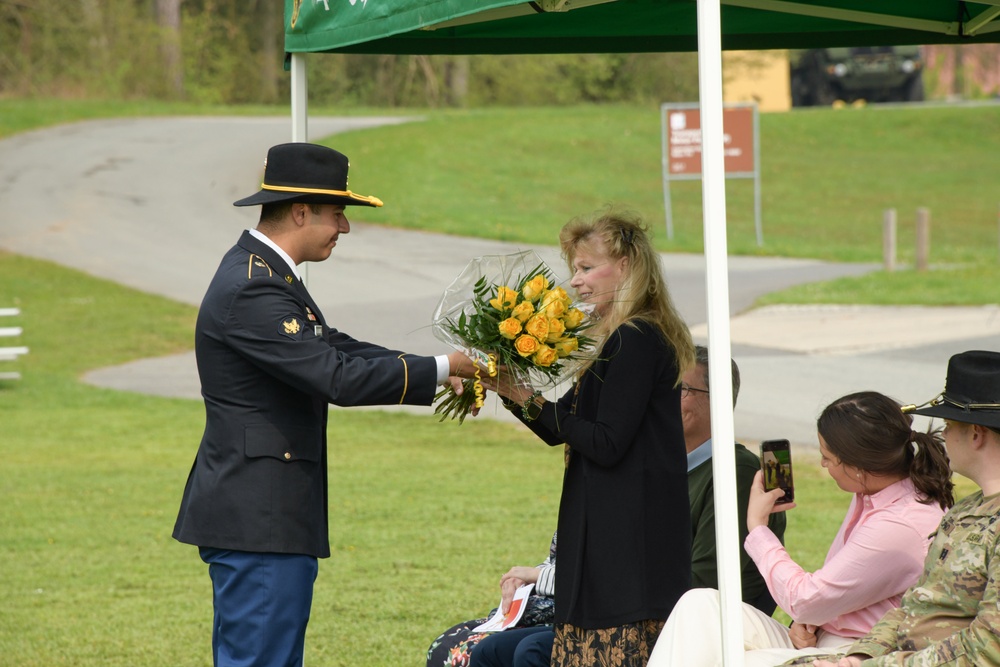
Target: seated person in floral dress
(453,647)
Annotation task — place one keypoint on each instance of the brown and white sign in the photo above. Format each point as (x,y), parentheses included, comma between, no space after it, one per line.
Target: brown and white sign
(683,135)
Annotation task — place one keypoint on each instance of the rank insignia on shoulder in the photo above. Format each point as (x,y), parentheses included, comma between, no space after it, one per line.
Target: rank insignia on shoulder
(291,327)
(258,267)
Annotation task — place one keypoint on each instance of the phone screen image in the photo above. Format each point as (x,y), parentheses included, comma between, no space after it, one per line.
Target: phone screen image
(776,464)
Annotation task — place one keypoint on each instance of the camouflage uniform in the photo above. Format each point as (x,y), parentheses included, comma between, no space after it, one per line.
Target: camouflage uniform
(952,615)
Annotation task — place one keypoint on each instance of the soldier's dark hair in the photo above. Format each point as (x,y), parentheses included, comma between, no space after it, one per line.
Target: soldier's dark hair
(701,359)
(869,431)
(275,212)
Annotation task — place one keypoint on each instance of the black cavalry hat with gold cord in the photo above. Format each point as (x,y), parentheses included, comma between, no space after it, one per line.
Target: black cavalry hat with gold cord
(306,173)
(971,390)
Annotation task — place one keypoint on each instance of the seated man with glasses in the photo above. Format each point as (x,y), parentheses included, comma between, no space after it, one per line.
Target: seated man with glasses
(701,489)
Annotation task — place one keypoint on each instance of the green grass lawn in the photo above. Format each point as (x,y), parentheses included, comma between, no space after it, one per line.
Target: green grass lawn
(92,479)
(425,516)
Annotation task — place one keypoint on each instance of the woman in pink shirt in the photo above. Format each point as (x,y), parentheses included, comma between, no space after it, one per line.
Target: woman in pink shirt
(901,485)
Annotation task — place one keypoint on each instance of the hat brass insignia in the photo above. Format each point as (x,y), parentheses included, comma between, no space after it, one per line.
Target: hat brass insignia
(291,326)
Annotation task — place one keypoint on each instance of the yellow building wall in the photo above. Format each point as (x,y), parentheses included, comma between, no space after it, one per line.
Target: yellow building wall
(757,76)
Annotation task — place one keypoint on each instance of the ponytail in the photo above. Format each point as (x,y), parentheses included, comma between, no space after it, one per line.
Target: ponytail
(929,468)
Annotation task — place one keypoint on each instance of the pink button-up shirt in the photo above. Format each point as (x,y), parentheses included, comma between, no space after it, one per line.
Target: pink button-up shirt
(877,554)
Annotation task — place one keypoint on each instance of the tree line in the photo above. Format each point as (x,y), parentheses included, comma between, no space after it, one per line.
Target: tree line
(229,52)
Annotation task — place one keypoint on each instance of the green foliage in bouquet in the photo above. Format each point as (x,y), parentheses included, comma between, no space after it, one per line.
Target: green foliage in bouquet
(533,330)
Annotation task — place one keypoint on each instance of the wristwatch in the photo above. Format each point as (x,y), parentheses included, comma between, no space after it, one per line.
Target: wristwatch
(532,408)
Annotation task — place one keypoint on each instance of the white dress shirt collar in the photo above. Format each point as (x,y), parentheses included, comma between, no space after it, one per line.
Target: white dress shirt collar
(274,246)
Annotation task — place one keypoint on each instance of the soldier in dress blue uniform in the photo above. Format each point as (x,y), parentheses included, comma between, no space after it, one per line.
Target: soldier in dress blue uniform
(256,500)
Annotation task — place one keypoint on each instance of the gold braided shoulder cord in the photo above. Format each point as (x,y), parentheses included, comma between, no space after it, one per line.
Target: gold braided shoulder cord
(406,378)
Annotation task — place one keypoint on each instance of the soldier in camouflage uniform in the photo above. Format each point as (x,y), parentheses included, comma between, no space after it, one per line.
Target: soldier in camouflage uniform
(952,615)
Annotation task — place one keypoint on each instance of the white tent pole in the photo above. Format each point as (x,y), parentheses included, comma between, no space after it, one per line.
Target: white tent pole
(719,347)
(300,98)
(300,118)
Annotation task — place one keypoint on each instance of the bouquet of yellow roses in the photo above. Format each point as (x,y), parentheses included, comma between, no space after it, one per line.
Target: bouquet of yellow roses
(508,310)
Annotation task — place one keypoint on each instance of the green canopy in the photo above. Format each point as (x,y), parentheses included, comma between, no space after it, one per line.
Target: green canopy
(624,26)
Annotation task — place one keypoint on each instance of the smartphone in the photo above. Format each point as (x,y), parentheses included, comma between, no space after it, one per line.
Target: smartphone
(776,463)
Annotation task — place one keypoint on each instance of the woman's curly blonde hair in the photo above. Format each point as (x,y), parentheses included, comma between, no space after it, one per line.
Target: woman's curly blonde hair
(642,294)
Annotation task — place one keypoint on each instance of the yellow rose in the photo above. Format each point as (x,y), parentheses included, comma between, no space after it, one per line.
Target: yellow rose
(556,330)
(523,311)
(566,346)
(510,328)
(556,294)
(534,287)
(555,309)
(538,326)
(526,345)
(505,298)
(546,356)
(573,318)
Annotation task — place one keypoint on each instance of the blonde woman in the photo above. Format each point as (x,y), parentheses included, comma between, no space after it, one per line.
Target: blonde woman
(624,523)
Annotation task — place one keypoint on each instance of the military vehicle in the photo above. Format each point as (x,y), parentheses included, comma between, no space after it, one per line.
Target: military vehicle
(874,74)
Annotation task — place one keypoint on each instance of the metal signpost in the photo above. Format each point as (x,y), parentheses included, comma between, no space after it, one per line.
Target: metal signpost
(681,157)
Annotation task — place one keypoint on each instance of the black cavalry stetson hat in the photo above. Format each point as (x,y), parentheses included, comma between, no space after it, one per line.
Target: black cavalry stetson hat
(971,390)
(306,173)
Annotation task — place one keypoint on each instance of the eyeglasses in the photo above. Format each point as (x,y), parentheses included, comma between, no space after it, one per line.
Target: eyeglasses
(687,390)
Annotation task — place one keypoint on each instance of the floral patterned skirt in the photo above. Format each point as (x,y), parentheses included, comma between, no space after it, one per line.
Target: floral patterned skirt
(622,646)
(454,646)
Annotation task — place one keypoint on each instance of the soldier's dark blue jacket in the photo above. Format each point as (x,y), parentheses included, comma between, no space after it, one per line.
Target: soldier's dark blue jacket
(269,368)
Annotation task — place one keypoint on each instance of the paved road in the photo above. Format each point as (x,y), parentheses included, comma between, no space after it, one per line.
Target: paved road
(147,203)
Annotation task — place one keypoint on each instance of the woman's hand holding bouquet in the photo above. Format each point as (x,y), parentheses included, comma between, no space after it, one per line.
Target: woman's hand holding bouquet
(522,323)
